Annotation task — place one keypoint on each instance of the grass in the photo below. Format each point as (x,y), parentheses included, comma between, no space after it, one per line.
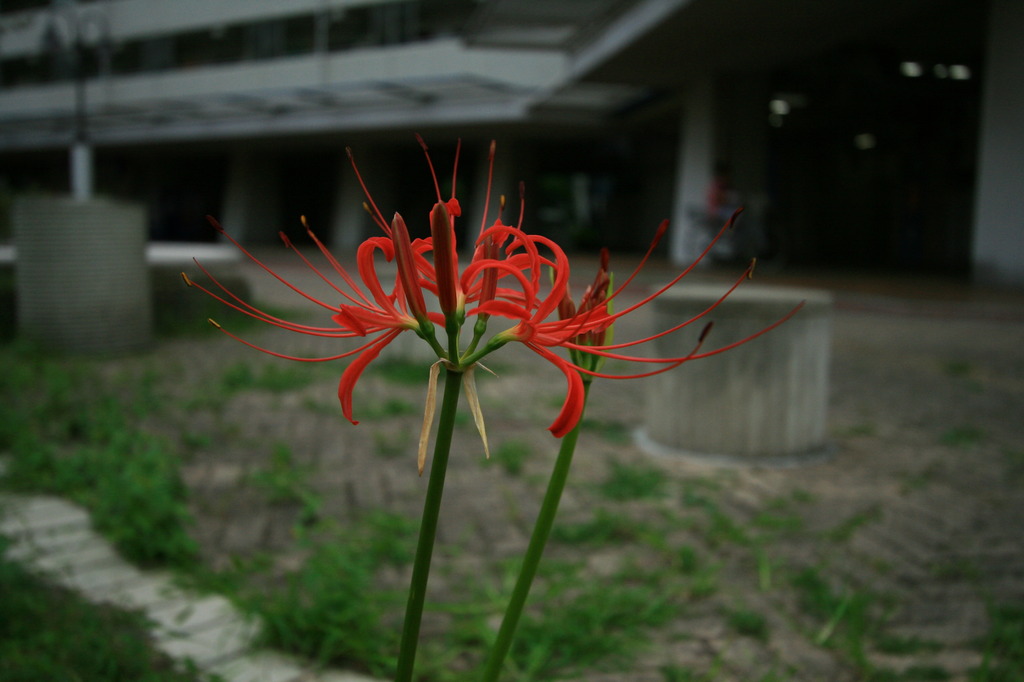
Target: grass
(748,623)
(633,482)
(1003,647)
(963,437)
(76,436)
(615,432)
(276,378)
(595,622)
(285,482)
(392,444)
(892,644)
(851,621)
(48,633)
(511,456)
(719,528)
(326,610)
(330,609)
(846,529)
(604,528)
(400,371)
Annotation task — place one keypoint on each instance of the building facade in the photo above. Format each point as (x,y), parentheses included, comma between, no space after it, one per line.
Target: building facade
(857,133)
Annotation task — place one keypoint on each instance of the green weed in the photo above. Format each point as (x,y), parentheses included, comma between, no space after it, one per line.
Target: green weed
(331,609)
(679,673)
(845,529)
(605,528)
(802,496)
(719,527)
(957,368)
(274,378)
(748,623)
(697,492)
(76,438)
(955,569)
(688,560)
(284,482)
(925,672)
(858,430)
(633,482)
(390,408)
(392,444)
(510,456)
(778,523)
(601,622)
(844,615)
(1014,462)
(612,431)
(1003,646)
(892,644)
(964,437)
(704,582)
(399,371)
(327,611)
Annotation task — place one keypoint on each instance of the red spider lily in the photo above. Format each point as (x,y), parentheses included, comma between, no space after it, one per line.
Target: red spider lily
(506,279)
(582,330)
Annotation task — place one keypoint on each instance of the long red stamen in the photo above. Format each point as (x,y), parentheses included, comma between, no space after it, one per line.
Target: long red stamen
(721,299)
(490,182)
(430,165)
(292,357)
(375,213)
(252,311)
(675,280)
(338,268)
(455,165)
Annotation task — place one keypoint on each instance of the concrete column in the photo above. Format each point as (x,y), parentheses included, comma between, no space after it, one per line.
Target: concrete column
(81,164)
(694,169)
(252,201)
(764,402)
(999,209)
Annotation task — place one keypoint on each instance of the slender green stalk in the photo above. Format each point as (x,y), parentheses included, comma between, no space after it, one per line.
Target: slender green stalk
(428,527)
(534,552)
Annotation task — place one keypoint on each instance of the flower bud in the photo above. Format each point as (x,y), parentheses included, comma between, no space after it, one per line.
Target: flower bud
(445,257)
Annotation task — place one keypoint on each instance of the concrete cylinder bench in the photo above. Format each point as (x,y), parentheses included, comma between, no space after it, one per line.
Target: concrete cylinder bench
(764,402)
(81,277)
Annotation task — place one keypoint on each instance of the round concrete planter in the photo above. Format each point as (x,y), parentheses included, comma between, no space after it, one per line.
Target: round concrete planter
(81,277)
(763,402)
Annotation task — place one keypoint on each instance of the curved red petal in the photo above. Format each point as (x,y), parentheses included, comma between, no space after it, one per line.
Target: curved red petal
(355,369)
(575,395)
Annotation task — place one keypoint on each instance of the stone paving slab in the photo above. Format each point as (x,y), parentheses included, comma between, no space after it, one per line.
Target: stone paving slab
(55,538)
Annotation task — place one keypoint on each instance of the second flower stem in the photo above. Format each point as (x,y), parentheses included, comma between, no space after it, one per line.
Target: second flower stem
(534,552)
(428,526)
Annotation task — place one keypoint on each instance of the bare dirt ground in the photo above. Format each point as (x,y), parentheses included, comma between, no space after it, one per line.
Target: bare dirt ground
(918,513)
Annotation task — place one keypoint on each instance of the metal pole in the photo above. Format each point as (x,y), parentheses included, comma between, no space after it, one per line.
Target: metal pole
(80,155)
(81,150)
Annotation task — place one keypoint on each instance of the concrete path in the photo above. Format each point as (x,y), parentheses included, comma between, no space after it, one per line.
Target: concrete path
(55,538)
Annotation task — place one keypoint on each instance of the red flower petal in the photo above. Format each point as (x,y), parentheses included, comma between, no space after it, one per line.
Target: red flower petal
(355,369)
(575,394)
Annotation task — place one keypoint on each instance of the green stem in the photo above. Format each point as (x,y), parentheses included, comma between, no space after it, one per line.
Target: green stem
(428,527)
(531,560)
